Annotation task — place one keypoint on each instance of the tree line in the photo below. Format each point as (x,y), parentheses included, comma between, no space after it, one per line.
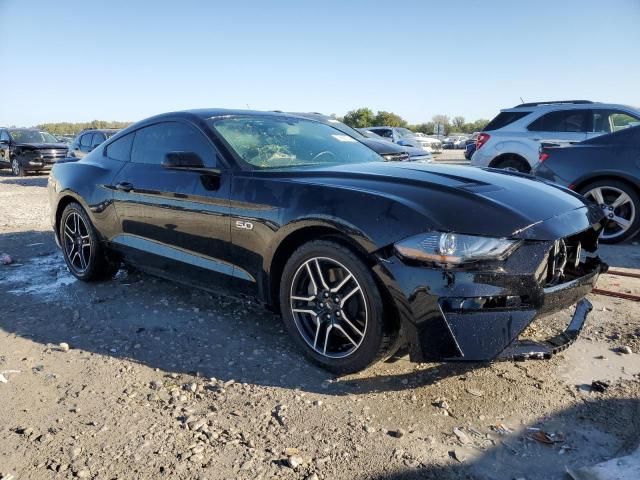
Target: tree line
(358,118)
(68,128)
(365,117)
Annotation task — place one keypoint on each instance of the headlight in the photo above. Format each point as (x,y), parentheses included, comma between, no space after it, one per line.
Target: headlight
(454,248)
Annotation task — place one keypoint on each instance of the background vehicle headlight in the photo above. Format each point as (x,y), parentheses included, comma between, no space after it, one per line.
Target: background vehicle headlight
(454,248)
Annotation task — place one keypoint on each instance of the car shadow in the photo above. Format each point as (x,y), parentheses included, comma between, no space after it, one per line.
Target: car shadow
(578,443)
(30,180)
(165,325)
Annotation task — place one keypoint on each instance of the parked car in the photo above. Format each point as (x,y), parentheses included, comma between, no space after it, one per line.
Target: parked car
(606,170)
(358,255)
(512,139)
(405,137)
(29,150)
(391,152)
(434,146)
(469,150)
(447,143)
(460,143)
(89,139)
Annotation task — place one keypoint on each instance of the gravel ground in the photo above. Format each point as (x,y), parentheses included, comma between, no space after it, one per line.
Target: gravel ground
(142,378)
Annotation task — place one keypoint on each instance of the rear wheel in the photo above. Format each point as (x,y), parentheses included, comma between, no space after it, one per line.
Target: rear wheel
(83,253)
(332,307)
(512,162)
(621,205)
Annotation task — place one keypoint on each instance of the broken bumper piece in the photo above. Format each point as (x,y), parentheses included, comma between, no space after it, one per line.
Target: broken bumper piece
(528,349)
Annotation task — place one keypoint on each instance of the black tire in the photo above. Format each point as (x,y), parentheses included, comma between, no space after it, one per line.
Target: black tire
(378,337)
(17,168)
(100,265)
(613,233)
(513,163)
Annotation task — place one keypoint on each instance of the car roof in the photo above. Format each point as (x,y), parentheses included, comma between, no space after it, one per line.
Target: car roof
(100,130)
(223,112)
(573,105)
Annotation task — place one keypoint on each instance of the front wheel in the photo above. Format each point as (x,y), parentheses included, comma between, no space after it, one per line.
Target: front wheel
(83,253)
(332,307)
(17,169)
(621,205)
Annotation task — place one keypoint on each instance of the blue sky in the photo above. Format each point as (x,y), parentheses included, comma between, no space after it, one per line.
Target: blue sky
(126,60)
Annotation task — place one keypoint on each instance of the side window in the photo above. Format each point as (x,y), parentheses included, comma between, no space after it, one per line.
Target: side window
(121,148)
(384,132)
(562,121)
(620,120)
(98,138)
(4,136)
(85,140)
(154,142)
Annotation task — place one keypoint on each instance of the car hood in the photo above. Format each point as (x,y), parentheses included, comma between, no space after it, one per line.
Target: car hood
(383,147)
(42,146)
(467,199)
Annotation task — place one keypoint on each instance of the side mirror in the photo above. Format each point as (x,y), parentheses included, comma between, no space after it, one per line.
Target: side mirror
(183,161)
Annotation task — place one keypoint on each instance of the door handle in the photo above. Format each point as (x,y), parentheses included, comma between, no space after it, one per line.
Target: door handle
(124,186)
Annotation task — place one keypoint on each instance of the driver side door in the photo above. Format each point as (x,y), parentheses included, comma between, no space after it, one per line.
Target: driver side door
(174,222)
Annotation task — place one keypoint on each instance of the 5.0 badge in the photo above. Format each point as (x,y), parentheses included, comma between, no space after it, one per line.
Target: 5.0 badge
(244,225)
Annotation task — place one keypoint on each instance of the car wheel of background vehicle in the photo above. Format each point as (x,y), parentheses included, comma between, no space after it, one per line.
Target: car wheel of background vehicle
(83,253)
(512,163)
(17,169)
(332,307)
(620,203)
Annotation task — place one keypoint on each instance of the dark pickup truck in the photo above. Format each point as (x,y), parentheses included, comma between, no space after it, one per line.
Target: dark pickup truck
(29,150)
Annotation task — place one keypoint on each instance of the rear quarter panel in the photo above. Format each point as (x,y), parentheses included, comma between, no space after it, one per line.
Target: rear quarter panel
(581,164)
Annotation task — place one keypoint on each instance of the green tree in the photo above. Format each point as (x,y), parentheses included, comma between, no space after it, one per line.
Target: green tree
(458,123)
(389,119)
(67,128)
(443,120)
(423,127)
(359,118)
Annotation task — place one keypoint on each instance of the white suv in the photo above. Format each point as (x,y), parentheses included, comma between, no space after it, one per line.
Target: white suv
(512,139)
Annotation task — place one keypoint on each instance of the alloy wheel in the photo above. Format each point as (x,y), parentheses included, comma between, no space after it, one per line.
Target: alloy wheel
(618,208)
(15,167)
(77,242)
(328,307)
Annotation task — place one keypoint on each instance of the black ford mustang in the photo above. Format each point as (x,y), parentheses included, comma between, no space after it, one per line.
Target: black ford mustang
(359,256)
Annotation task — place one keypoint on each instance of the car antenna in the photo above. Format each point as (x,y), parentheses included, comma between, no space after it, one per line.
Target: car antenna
(521,100)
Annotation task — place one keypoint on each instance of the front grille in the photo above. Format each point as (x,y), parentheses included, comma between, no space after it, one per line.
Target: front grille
(563,260)
(396,157)
(52,155)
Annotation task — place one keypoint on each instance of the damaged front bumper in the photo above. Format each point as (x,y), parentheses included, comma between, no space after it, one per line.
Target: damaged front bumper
(477,313)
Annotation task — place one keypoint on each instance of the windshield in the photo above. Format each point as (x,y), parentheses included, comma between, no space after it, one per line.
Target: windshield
(405,132)
(343,127)
(276,142)
(23,135)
